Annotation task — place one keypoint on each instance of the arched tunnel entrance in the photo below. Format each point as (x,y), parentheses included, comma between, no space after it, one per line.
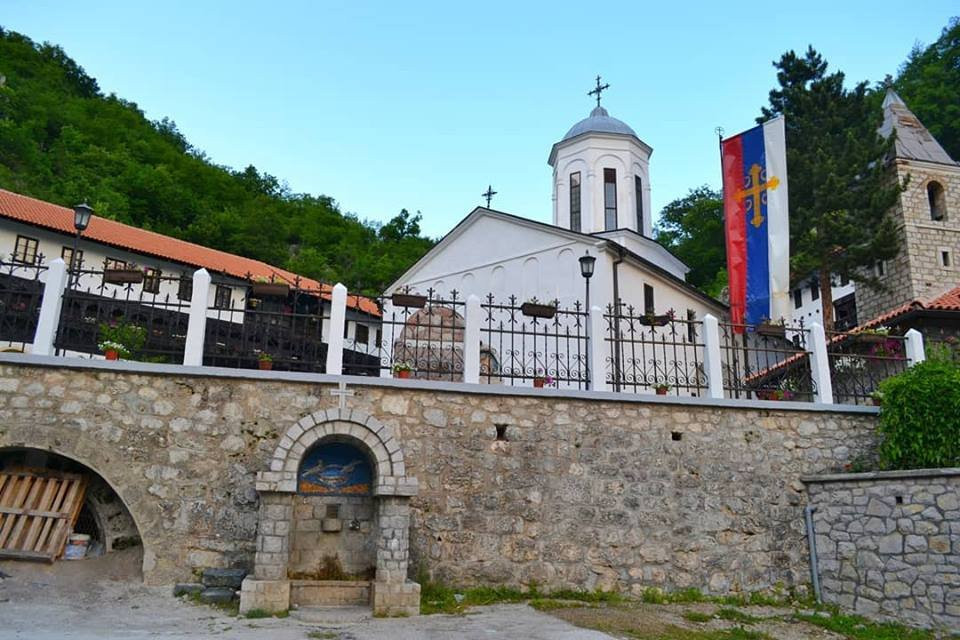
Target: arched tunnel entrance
(55,508)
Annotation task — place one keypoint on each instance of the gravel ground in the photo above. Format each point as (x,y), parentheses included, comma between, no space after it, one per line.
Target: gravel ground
(99,600)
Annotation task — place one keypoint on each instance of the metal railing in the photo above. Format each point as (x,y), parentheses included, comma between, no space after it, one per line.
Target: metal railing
(647,352)
(21,293)
(860,361)
(766,362)
(533,343)
(266,326)
(420,336)
(93,305)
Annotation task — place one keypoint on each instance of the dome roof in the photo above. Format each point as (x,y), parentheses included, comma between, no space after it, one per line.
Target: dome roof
(600,122)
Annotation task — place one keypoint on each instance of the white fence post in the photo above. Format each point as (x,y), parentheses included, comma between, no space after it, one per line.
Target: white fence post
(712,357)
(197,324)
(820,365)
(50,308)
(387,338)
(598,377)
(471,340)
(338,319)
(914,347)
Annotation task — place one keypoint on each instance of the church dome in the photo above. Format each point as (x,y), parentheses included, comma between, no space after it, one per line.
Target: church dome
(599,122)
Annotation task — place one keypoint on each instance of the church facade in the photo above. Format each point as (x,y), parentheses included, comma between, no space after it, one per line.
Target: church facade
(601,208)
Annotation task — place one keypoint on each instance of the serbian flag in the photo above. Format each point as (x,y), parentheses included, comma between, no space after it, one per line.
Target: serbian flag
(756,223)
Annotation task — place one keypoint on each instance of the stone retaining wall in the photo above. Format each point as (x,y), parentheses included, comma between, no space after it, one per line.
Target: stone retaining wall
(889,544)
(565,489)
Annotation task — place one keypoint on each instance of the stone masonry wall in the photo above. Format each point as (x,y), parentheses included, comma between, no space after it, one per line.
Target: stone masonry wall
(889,544)
(583,492)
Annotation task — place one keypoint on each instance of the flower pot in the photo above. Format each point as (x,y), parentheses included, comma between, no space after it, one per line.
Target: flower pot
(537,310)
(877,402)
(409,300)
(122,276)
(266,365)
(111,354)
(655,321)
(538,383)
(662,392)
(271,289)
(771,330)
(403,375)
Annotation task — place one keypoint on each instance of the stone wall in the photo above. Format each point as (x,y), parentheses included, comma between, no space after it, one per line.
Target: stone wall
(889,544)
(568,489)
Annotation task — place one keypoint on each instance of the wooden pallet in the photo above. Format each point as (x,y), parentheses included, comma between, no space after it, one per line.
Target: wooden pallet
(38,509)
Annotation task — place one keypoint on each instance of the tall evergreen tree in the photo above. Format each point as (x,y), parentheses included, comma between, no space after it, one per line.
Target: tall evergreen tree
(841,186)
(691,227)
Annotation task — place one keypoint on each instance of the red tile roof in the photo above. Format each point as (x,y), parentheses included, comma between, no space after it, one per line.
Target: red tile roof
(949,301)
(110,232)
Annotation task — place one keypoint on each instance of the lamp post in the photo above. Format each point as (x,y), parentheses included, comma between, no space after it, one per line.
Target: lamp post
(587,264)
(81,219)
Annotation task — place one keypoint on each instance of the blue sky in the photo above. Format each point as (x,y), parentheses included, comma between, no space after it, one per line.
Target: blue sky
(421,105)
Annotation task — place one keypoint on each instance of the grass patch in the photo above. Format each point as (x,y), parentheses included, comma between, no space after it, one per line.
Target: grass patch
(546,604)
(676,633)
(735,615)
(857,628)
(254,614)
(323,635)
(438,598)
(696,616)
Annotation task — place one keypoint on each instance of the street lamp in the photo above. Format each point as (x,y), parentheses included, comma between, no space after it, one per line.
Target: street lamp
(81,220)
(587,263)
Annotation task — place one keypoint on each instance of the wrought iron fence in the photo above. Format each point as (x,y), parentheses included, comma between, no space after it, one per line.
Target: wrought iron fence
(860,361)
(418,336)
(533,343)
(146,312)
(266,325)
(21,293)
(649,352)
(766,362)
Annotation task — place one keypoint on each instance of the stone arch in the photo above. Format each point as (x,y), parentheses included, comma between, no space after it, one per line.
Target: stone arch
(937,200)
(375,438)
(138,510)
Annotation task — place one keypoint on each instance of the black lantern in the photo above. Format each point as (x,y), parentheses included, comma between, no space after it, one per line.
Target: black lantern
(587,262)
(81,217)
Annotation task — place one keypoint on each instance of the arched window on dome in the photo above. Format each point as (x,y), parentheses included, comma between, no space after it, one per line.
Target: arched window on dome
(609,199)
(575,201)
(937,199)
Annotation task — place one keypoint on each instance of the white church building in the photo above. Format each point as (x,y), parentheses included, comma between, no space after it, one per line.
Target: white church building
(601,207)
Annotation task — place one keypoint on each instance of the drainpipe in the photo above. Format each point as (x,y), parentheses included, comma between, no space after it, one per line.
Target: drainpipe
(812,544)
(616,319)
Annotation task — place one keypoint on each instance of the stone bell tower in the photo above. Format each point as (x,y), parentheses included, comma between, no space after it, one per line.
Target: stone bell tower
(927,217)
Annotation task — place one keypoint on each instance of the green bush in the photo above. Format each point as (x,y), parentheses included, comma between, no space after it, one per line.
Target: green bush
(128,339)
(920,418)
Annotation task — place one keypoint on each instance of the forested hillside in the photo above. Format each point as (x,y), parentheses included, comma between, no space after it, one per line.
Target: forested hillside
(63,141)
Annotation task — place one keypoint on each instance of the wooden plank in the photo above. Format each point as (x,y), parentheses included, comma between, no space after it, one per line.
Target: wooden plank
(73,502)
(34,512)
(16,536)
(17,500)
(57,507)
(38,509)
(39,513)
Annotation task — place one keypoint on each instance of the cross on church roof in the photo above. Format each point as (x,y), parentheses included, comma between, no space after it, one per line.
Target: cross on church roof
(488,194)
(600,89)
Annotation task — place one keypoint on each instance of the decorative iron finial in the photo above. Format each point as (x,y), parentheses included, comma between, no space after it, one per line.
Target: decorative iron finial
(599,90)
(489,195)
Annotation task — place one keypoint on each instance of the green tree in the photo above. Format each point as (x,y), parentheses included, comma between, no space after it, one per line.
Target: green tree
(929,81)
(691,227)
(841,186)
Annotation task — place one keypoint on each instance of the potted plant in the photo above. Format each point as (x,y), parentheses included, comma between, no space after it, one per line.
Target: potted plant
(874,336)
(539,382)
(771,329)
(128,274)
(651,319)
(877,398)
(113,350)
(125,340)
(775,394)
(408,299)
(661,389)
(267,287)
(265,360)
(402,370)
(533,308)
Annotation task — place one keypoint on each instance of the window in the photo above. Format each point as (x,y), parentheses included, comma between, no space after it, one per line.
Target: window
(362,334)
(67,254)
(880,268)
(25,250)
(185,289)
(609,199)
(691,325)
(638,192)
(938,200)
(815,291)
(648,306)
(222,297)
(113,263)
(945,258)
(151,280)
(797,298)
(575,201)
(845,312)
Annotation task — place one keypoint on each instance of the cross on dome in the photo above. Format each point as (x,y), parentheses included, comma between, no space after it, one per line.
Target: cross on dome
(598,90)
